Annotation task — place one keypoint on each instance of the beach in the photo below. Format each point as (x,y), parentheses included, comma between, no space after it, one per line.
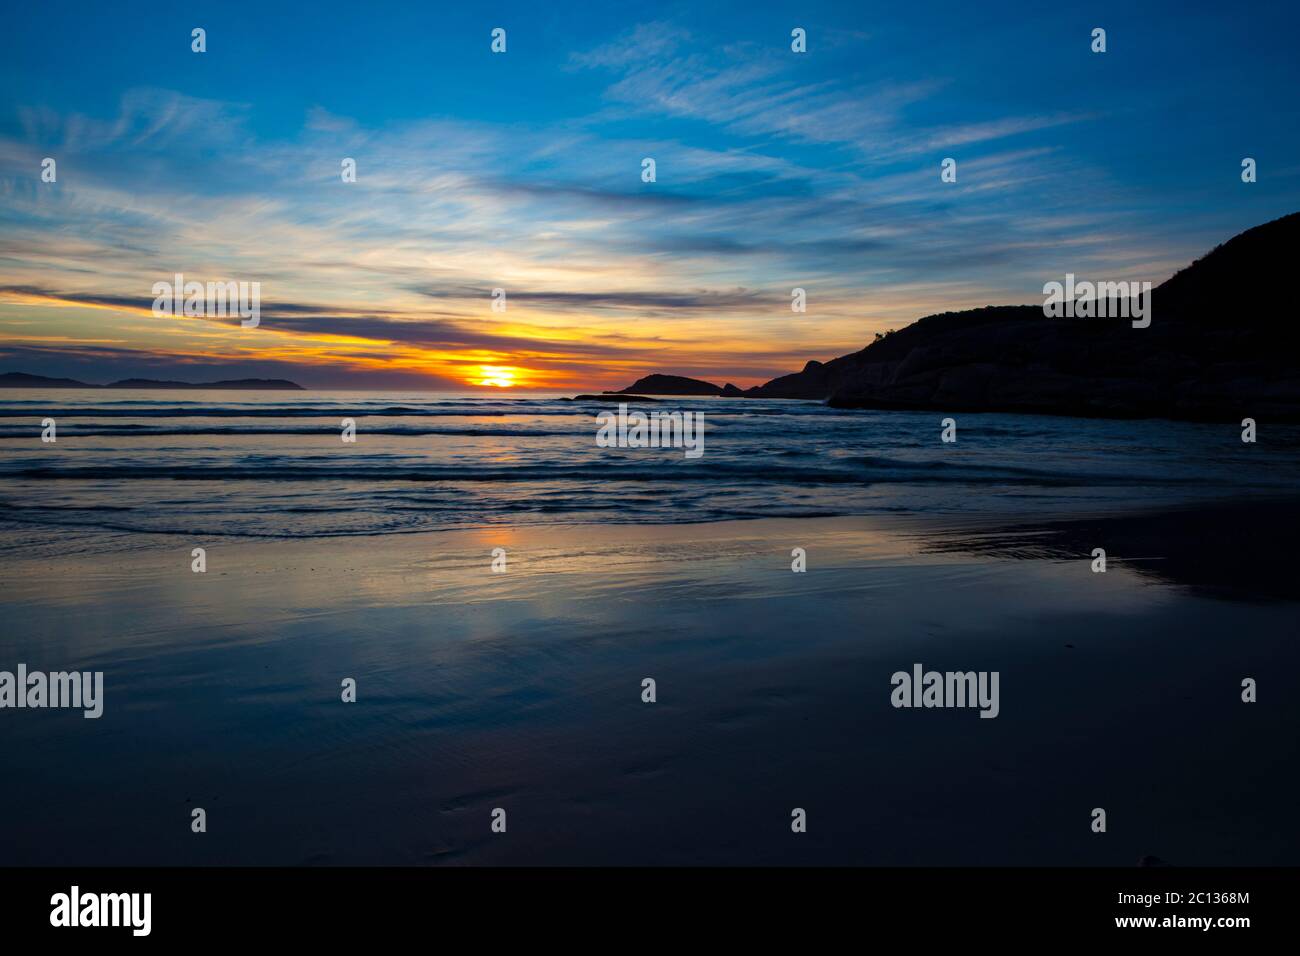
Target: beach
(463,466)
(522,690)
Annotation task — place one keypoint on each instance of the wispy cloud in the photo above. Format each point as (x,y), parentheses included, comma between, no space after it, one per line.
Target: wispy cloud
(774,171)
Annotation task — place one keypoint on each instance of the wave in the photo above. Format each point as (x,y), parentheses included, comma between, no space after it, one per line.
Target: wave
(148,431)
(261,411)
(670,470)
(714,408)
(576,409)
(181,467)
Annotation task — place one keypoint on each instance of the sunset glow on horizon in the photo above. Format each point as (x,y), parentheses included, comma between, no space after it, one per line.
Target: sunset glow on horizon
(774,172)
(499,376)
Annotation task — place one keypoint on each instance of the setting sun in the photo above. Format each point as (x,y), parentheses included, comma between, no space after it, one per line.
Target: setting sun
(501,376)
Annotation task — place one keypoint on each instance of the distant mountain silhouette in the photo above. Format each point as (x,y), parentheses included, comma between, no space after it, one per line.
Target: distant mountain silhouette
(671,385)
(236,383)
(610,397)
(24,380)
(1221,346)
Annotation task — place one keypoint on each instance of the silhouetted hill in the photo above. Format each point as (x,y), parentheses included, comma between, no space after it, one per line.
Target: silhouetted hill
(23,380)
(670,385)
(250,384)
(1221,346)
(1241,275)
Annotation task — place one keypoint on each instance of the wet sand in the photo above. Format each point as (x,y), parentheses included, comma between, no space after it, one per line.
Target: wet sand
(522,690)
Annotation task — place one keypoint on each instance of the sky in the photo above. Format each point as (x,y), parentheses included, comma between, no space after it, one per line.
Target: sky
(523,171)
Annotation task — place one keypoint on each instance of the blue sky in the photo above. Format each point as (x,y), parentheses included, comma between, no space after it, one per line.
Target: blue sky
(522,171)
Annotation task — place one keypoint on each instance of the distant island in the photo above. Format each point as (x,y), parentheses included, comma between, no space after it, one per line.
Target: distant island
(676,385)
(1221,346)
(23,380)
(610,397)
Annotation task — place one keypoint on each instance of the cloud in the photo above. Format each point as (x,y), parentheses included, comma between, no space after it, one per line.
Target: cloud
(700,300)
(644,42)
(756,91)
(771,175)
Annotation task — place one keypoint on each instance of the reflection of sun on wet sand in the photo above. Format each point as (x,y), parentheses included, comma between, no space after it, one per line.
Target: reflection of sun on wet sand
(522,690)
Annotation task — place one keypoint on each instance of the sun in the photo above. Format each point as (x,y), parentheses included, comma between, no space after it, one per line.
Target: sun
(500,376)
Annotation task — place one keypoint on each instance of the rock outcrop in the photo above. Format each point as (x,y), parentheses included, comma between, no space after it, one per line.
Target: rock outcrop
(1221,346)
(670,385)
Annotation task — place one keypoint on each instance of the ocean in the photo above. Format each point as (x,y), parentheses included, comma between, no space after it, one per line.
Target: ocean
(390,644)
(273,464)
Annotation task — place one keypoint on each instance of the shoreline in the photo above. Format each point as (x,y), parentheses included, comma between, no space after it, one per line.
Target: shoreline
(522,690)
